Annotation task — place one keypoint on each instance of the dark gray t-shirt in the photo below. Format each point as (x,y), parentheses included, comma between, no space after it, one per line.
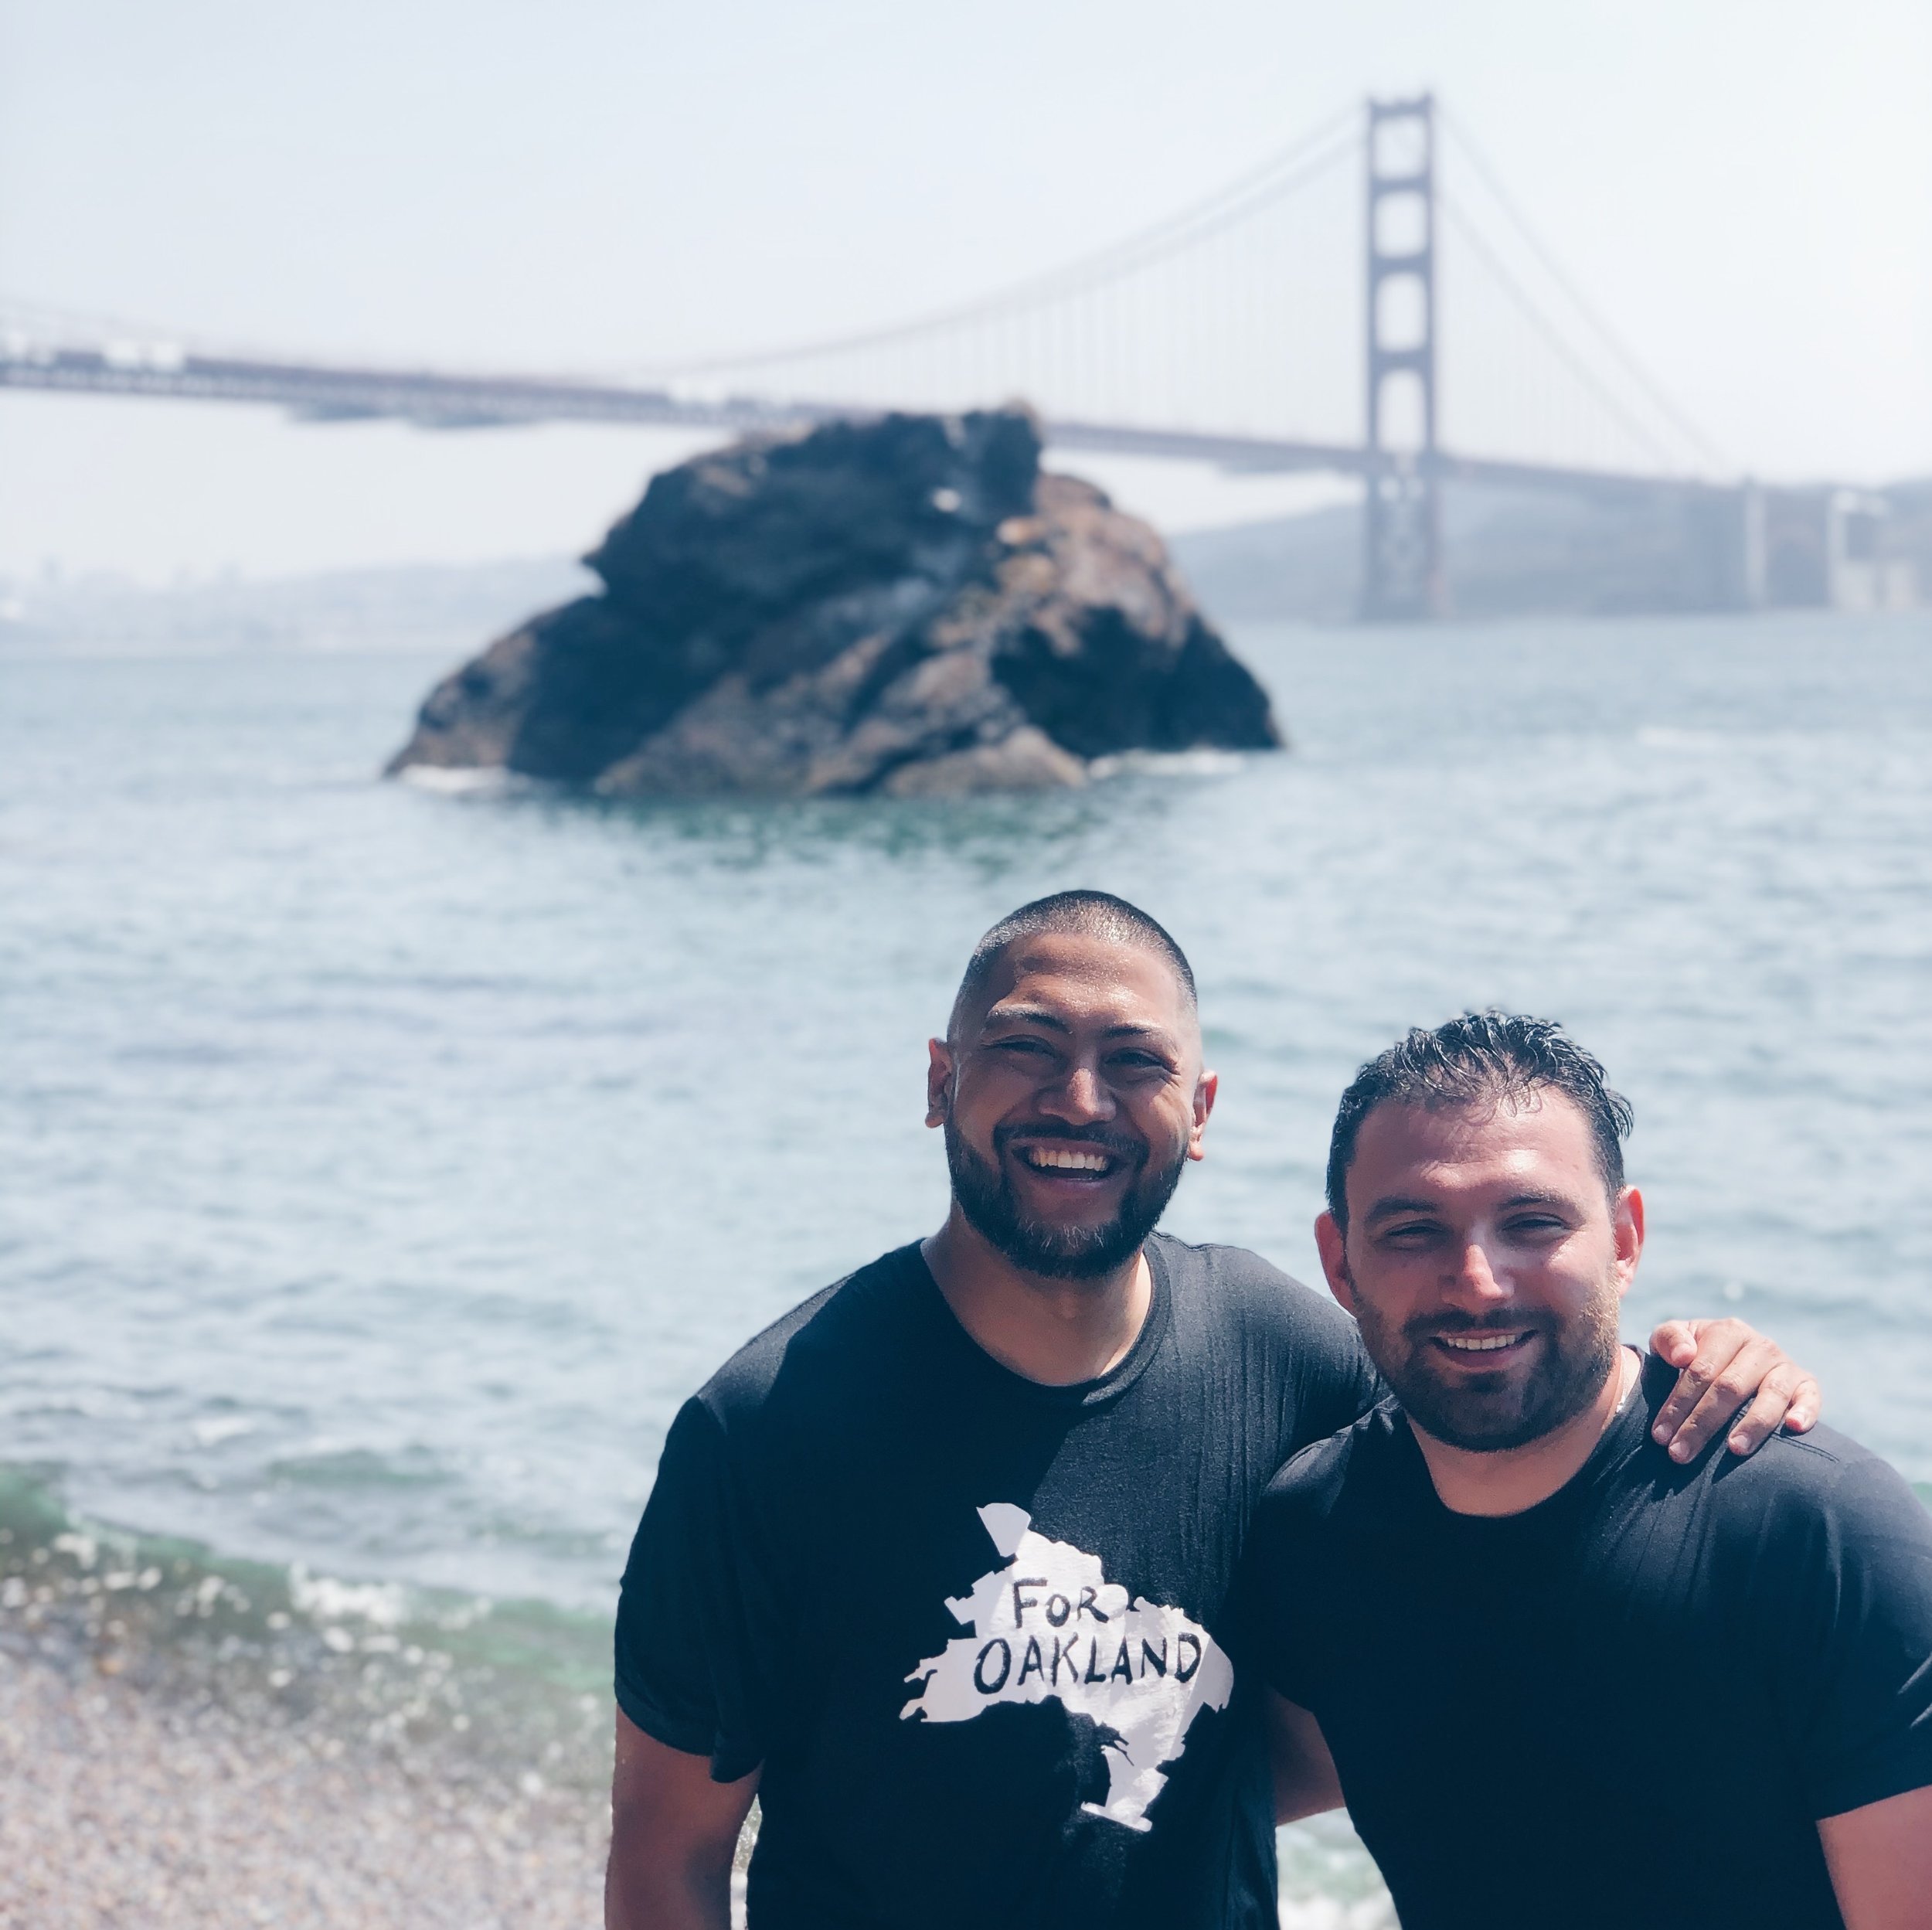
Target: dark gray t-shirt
(976,1630)
(1629,1705)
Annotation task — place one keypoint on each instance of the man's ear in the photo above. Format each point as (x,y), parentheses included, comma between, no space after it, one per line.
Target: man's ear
(1332,1243)
(939,1080)
(1627,1228)
(1205,1088)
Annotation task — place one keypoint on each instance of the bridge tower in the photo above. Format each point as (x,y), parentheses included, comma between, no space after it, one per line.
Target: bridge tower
(1402,572)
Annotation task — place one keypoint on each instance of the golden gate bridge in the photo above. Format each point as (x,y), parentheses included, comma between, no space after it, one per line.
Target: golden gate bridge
(1336,309)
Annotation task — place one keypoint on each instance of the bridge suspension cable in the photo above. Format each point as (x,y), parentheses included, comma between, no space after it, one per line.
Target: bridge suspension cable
(1581,305)
(1286,172)
(1552,338)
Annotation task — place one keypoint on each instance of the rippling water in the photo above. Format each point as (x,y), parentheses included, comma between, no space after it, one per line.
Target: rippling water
(382,1165)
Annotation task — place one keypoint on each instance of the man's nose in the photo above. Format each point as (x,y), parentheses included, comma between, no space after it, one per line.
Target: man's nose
(1475,1283)
(1080,1096)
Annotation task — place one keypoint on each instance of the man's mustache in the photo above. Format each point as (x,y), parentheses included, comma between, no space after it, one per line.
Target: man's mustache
(1124,1146)
(1426,1326)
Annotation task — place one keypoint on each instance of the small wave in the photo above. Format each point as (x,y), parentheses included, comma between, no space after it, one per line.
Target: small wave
(324,1464)
(1167,764)
(225,1426)
(1664,736)
(502,1691)
(465,781)
(322,1598)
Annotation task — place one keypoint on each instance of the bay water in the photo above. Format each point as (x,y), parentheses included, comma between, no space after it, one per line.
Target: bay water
(381,1164)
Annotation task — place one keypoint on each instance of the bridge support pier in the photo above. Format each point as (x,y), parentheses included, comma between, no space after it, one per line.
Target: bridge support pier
(1402,566)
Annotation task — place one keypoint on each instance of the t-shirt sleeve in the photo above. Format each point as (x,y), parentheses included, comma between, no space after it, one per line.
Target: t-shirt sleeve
(1855,1655)
(689,1665)
(1336,1383)
(1271,1592)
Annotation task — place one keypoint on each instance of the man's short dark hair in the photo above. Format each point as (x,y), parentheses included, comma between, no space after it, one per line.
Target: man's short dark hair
(1093,914)
(1483,1058)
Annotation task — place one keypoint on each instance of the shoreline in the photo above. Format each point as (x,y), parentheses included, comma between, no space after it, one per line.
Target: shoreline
(193,1745)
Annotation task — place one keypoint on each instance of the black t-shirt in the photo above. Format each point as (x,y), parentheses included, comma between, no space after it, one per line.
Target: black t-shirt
(1629,1705)
(976,1628)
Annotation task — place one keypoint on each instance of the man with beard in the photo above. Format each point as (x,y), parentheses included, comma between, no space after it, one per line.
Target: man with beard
(1489,1596)
(941,1564)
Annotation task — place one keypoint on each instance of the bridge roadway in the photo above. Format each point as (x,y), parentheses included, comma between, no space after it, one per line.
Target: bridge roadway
(432,400)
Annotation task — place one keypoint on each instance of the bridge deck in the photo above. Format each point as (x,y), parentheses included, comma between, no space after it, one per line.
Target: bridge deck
(433,400)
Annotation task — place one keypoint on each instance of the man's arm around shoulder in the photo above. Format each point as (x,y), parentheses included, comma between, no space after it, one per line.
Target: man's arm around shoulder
(673,1834)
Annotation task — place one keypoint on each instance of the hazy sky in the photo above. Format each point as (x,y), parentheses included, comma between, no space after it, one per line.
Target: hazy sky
(1744,185)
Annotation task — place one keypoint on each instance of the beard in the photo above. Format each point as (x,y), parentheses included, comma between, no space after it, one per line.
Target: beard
(987,1198)
(1511,1411)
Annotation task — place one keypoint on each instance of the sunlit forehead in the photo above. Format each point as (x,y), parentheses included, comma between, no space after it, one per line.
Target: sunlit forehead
(1519,1148)
(1077,985)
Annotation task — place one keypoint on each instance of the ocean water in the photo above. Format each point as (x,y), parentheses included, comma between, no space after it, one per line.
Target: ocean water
(383,1163)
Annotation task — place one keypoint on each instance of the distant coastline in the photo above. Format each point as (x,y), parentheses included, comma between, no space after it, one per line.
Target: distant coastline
(453,606)
(1511,556)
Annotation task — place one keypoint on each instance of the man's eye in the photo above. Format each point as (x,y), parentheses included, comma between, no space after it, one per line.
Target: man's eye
(1021,1045)
(1413,1233)
(1138,1062)
(1537,1226)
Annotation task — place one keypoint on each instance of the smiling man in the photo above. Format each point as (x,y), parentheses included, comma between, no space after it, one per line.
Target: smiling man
(1485,1597)
(942,1564)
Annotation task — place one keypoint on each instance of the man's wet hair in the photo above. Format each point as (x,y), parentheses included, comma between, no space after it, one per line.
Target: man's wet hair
(1483,1058)
(1093,914)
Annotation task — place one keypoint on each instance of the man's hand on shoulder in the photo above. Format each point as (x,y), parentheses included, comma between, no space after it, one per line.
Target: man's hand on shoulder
(1725,1363)
(673,1834)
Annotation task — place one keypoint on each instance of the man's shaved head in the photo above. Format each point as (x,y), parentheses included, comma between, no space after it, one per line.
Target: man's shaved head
(1069,1085)
(1091,914)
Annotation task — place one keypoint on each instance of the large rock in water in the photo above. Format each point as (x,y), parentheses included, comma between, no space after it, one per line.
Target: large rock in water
(904,604)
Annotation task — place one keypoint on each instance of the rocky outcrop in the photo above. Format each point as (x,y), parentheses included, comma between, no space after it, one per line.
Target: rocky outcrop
(904,605)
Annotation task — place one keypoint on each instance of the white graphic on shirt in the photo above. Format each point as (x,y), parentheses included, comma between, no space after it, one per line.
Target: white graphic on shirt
(1046,1625)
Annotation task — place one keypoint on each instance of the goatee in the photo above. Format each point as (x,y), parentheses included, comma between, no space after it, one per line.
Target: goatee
(1489,1414)
(987,1197)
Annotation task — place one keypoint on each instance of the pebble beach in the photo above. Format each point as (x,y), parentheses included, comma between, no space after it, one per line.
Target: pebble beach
(124,1807)
(164,1764)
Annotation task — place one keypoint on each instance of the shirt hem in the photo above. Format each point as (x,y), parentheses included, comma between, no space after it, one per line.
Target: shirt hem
(1860,1793)
(728,1764)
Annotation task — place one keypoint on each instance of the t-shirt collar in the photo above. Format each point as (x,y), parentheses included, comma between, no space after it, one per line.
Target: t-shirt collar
(1628,1433)
(1080,1394)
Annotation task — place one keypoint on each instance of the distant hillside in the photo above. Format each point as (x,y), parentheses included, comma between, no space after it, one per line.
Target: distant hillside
(1912,526)
(1307,566)
(1509,554)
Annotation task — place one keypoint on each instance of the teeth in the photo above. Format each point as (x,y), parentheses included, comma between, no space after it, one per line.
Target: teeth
(1478,1343)
(1056,1158)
